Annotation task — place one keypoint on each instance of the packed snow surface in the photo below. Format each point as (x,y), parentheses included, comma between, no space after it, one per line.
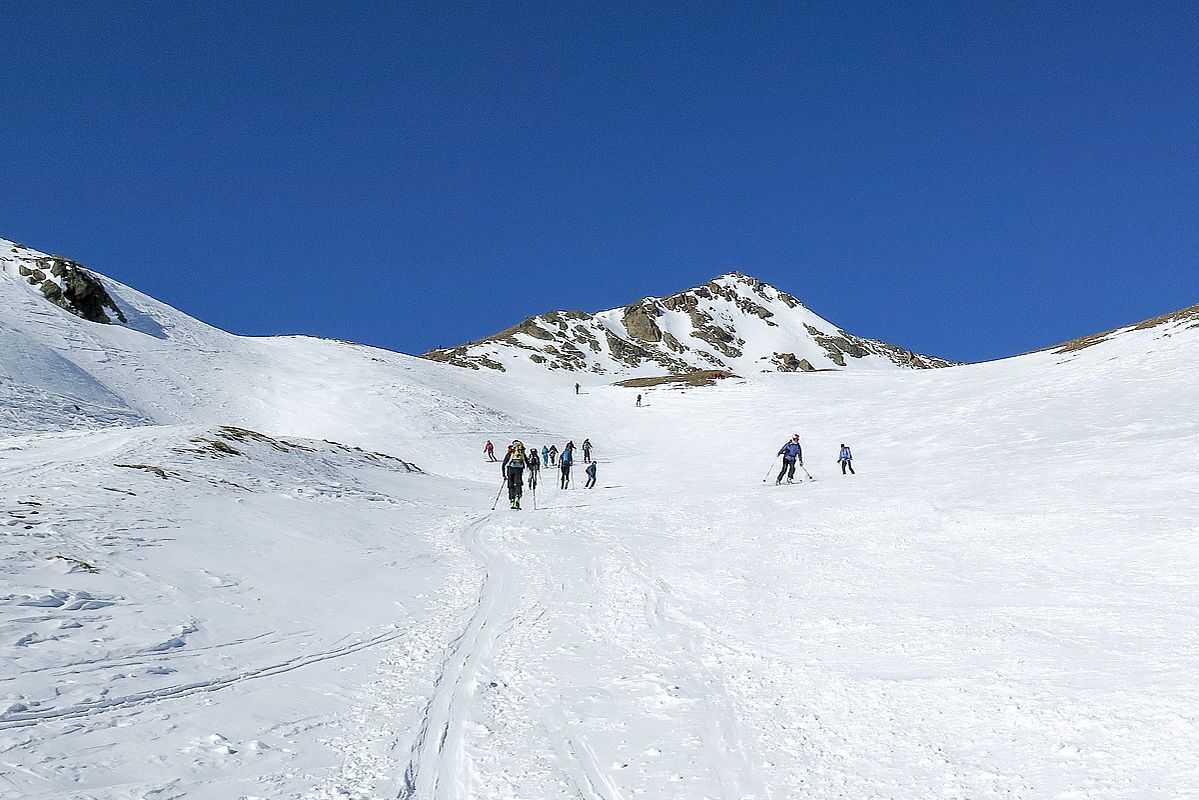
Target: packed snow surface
(201,597)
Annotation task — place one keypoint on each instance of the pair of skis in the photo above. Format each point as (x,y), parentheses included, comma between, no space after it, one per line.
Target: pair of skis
(771,471)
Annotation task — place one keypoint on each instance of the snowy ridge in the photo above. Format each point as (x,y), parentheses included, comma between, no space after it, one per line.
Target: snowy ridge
(732,323)
(204,595)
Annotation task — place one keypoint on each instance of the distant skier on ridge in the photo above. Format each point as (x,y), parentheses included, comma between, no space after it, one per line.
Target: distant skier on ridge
(514,470)
(791,452)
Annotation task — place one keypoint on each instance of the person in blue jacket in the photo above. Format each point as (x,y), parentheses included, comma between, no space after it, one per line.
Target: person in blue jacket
(590,476)
(846,459)
(791,453)
(564,463)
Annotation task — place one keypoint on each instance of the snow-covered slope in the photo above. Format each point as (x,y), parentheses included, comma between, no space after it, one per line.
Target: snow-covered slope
(733,323)
(59,372)
(999,604)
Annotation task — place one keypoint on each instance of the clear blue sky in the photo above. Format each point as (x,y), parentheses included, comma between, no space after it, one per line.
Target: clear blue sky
(967,179)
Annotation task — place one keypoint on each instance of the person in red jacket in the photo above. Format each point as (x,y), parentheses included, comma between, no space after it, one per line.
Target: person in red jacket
(489,449)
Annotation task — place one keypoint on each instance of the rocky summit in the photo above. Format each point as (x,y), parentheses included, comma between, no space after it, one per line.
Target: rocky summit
(732,323)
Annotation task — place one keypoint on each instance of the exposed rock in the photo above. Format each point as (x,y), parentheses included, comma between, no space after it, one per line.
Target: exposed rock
(705,377)
(787,362)
(75,289)
(641,325)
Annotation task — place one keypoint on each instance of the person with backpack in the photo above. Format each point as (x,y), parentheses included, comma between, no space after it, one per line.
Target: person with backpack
(513,470)
(846,460)
(590,476)
(534,469)
(553,454)
(489,449)
(545,455)
(638,401)
(791,453)
(564,464)
(586,451)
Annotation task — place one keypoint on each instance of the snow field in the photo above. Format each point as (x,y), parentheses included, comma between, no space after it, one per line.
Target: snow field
(999,604)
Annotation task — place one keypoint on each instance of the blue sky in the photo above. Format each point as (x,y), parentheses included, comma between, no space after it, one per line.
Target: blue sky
(967,179)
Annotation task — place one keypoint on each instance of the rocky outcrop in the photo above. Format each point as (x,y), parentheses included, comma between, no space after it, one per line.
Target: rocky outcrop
(640,325)
(69,286)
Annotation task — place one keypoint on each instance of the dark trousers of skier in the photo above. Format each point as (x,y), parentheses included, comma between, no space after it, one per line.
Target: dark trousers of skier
(516,484)
(847,463)
(788,470)
(586,455)
(565,474)
(533,477)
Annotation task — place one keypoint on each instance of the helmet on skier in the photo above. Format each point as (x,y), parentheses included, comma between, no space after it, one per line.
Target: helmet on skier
(795,438)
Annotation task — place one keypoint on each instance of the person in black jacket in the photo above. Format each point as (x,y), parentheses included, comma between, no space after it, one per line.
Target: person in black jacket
(514,471)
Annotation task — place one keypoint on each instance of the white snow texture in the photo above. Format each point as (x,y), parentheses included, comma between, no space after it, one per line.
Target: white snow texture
(268,568)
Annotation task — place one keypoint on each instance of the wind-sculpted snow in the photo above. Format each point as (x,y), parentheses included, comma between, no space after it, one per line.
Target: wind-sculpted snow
(201,597)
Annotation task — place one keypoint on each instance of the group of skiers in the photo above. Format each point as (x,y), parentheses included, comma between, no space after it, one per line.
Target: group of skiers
(519,458)
(792,455)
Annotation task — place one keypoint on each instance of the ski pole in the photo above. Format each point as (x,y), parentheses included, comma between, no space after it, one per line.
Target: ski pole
(771,470)
(805,472)
(497,496)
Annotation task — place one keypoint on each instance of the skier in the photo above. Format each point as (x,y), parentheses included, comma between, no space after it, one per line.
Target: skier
(576,388)
(489,449)
(590,475)
(791,452)
(586,451)
(638,401)
(513,469)
(553,454)
(545,456)
(564,464)
(846,459)
(534,468)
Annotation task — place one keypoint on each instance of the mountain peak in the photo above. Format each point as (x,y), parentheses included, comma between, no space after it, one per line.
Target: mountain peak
(734,322)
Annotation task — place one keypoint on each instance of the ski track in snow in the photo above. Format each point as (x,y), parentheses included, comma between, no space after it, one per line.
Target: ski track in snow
(437,769)
(110,704)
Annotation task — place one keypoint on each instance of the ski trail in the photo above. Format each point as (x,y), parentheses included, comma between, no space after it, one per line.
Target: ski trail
(730,759)
(437,768)
(26,719)
(579,759)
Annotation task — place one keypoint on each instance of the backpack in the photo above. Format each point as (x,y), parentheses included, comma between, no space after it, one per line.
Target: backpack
(518,455)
